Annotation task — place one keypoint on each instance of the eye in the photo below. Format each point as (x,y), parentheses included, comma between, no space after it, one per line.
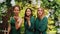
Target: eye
(16,10)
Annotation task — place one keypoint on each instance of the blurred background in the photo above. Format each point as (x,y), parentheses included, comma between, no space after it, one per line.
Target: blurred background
(51,8)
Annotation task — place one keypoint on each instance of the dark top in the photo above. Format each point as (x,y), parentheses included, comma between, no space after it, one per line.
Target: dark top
(13,29)
(41,25)
(29,29)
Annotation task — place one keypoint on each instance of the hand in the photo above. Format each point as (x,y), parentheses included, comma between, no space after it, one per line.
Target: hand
(16,18)
(18,23)
(27,18)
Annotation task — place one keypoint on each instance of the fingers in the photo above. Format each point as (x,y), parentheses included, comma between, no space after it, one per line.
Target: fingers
(27,18)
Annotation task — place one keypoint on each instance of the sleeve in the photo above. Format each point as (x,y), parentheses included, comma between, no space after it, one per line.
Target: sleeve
(43,26)
(10,19)
(25,24)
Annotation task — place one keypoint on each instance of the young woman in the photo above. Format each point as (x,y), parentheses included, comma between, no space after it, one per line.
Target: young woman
(41,22)
(15,21)
(29,21)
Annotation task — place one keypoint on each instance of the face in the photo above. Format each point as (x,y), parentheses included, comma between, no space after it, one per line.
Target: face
(40,12)
(28,12)
(16,10)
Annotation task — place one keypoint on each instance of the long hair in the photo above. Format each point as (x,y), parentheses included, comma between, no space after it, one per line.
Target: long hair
(26,15)
(14,8)
(42,11)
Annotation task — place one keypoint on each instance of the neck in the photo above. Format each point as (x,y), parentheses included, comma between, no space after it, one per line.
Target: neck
(28,16)
(16,15)
(41,17)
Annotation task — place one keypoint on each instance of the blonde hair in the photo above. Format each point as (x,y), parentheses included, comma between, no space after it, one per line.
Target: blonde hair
(42,11)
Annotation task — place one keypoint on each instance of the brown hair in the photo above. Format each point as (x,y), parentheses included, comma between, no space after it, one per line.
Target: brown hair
(12,9)
(26,11)
(16,6)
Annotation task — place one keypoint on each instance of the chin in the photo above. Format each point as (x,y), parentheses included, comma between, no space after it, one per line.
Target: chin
(28,15)
(39,14)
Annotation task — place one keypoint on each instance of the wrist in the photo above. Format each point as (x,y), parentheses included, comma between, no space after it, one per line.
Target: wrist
(28,20)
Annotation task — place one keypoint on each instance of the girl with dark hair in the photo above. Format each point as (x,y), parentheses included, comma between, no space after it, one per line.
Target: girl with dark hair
(15,21)
(41,22)
(29,21)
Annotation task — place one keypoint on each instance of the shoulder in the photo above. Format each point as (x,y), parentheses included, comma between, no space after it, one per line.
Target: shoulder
(32,17)
(11,18)
(37,18)
(45,18)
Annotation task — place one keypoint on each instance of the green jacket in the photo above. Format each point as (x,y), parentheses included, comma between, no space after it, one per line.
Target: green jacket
(13,29)
(41,25)
(29,29)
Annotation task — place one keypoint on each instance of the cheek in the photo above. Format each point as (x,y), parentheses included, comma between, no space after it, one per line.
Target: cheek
(38,12)
(16,12)
(28,13)
(41,12)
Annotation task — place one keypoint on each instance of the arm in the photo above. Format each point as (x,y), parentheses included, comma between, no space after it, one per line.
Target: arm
(43,26)
(9,28)
(9,25)
(25,24)
(18,24)
(31,24)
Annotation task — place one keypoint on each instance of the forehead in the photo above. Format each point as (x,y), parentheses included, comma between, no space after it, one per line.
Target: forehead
(28,9)
(16,8)
(40,9)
